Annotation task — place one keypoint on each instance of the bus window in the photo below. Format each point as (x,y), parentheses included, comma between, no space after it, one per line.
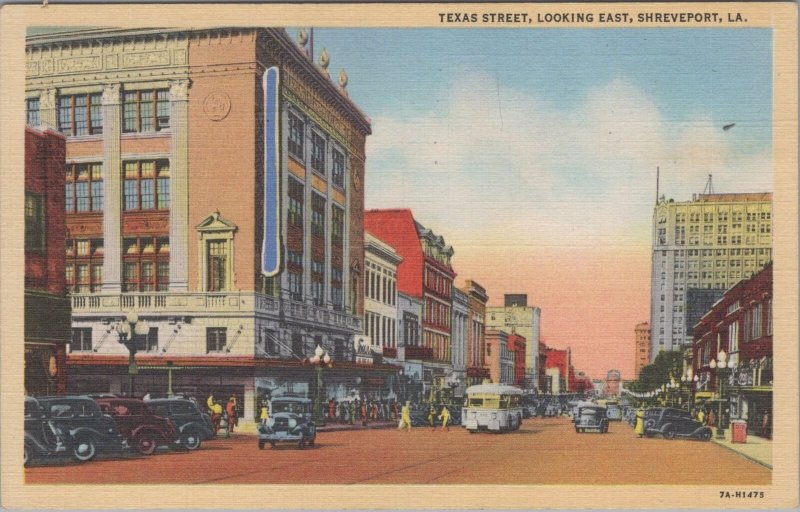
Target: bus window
(504,402)
(476,402)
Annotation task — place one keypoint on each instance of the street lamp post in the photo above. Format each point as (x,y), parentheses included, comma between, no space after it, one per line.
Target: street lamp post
(320,360)
(130,331)
(722,366)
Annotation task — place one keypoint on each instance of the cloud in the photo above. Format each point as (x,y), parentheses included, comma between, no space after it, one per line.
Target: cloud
(493,159)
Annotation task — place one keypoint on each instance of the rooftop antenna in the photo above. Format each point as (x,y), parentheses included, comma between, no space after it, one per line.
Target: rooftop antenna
(658,172)
(709,186)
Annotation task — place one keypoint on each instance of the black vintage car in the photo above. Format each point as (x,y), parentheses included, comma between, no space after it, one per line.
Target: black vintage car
(89,429)
(289,421)
(591,417)
(672,423)
(42,437)
(193,425)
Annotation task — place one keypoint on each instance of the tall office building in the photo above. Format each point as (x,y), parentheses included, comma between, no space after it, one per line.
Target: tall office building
(711,242)
(517,317)
(642,348)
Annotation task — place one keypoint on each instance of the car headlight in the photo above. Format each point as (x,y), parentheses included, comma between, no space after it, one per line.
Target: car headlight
(292,423)
(270,423)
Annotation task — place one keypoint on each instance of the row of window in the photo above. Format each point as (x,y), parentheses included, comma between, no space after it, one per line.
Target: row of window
(35,227)
(721,216)
(81,114)
(440,344)
(318,154)
(295,213)
(438,282)
(381,329)
(437,313)
(146,186)
(381,288)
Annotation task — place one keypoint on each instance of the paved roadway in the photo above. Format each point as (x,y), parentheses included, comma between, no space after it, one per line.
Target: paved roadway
(543,451)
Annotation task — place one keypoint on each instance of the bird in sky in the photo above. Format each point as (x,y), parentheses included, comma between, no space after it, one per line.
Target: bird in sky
(728,126)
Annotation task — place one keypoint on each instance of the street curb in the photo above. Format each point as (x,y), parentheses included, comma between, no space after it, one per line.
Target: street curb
(748,457)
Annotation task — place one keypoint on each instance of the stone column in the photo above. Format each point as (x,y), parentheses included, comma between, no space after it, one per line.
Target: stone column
(327,300)
(48,111)
(179,187)
(308,212)
(112,189)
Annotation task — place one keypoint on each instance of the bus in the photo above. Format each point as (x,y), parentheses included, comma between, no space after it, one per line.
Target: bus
(492,407)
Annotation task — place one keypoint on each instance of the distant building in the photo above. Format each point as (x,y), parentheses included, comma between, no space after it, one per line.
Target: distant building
(47,307)
(517,317)
(459,340)
(380,295)
(642,348)
(710,242)
(516,344)
(477,369)
(499,357)
(542,366)
(559,366)
(612,387)
(409,317)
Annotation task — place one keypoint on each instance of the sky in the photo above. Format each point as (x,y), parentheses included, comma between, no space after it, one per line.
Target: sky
(534,154)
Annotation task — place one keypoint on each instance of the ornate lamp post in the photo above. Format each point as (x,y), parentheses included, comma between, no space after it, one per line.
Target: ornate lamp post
(320,360)
(130,331)
(722,366)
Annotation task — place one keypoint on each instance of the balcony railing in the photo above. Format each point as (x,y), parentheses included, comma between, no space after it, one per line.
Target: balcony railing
(178,303)
(416,352)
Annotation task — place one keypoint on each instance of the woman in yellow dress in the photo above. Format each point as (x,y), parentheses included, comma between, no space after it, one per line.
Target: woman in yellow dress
(405,418)
(639,426)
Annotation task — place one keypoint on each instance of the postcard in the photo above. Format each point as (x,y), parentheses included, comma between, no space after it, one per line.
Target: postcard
(396,256)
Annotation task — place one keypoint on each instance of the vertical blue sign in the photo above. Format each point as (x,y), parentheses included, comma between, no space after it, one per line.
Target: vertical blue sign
(271,246)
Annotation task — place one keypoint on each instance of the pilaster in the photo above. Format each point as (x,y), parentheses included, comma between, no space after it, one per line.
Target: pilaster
(179,182)
(48,113)
(112,168)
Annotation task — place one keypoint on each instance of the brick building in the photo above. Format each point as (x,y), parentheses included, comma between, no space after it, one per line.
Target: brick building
(559,370)
(499,357)
(516,344)
(215,186)
(47,308)
(740,323)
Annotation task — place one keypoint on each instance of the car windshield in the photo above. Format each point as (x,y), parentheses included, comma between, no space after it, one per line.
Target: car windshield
(128,409)
(293,407)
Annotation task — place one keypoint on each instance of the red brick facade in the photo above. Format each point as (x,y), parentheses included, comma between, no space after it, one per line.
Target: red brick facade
(516,344)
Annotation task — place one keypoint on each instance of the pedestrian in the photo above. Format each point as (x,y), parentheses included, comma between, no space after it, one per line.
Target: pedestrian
(639,424)
(374,411)
(264,416)
(230,409)
(364,413)
(710,419)
(405,418)
(445,417)
(331,409)
(765,426)
(216,412)
(432,417)
(352,413)
(701,416)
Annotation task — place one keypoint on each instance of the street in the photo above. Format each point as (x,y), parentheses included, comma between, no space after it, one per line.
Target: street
(543,451)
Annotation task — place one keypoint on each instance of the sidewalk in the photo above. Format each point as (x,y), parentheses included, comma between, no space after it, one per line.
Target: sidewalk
(757,449)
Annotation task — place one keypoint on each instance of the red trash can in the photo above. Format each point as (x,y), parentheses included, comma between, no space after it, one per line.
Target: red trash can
(739,431)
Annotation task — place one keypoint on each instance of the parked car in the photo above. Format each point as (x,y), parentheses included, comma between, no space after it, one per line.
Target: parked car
(142,429)
(591,417)
(672,423)
(289,421)
(193,425)
(42,437)
(81,419)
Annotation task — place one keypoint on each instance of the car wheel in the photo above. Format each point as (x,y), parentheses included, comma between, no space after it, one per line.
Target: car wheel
(705,435)
(669,433)
(312,441)
(272,444)
(261,444)
(85,449)
(191,440)
(145,444)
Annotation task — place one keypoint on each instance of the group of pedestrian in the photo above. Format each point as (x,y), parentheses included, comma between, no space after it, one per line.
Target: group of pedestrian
(228,414)
(364,411)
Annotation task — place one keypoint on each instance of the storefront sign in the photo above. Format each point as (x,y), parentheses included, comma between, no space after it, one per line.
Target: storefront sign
(271,246)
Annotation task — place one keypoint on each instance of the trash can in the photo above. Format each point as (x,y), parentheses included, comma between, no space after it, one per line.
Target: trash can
(738,431)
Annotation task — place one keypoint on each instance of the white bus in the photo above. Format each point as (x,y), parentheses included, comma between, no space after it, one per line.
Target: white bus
(492,407)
